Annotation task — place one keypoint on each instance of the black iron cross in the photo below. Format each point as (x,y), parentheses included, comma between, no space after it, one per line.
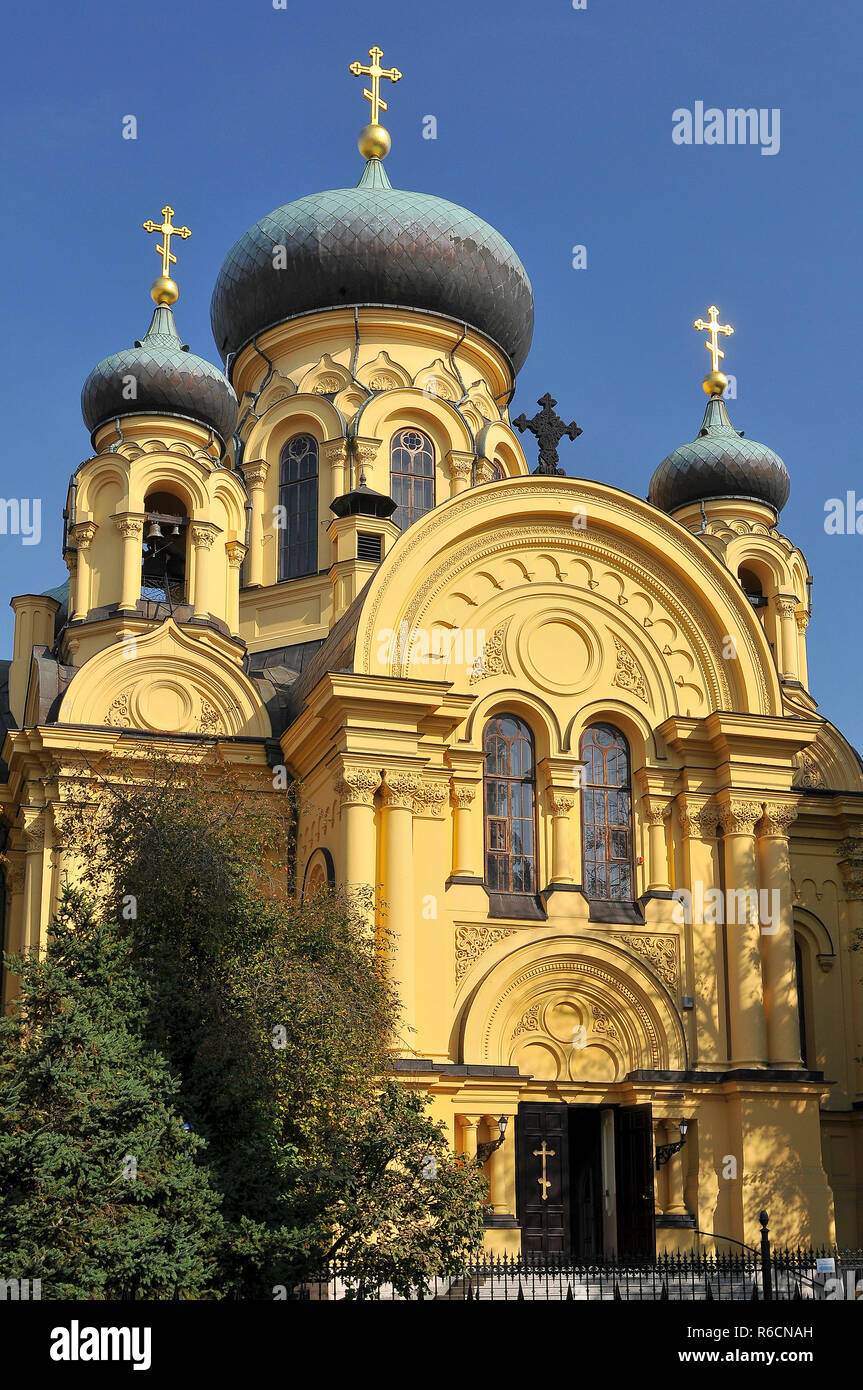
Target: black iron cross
(549,430)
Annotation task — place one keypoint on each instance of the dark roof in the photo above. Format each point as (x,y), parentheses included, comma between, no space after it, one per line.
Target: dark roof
(720,462)
(373,245)
(168,380)
(274,673)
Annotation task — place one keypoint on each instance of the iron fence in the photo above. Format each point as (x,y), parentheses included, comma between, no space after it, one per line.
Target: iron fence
(782,1275)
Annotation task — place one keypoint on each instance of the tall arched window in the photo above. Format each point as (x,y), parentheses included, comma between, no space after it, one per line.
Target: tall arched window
(606,814)
(298,496)
(411,476)
(510,812)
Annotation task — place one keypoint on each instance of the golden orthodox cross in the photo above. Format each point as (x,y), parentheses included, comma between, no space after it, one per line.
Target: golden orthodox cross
(544,1182)
(714,328)
(167,228)
(375,72)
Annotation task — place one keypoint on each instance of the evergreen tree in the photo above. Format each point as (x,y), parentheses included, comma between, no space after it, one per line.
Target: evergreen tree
(102,1191)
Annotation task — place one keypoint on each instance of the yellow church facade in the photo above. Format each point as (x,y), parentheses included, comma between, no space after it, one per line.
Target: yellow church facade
(558,740)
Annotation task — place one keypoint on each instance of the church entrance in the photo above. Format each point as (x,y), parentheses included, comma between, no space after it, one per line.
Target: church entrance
(585,1180)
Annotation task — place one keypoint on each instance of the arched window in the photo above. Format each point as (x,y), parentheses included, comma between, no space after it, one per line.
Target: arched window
(411,476)
(510,814)
(298,496)
(498,472)
(163,562)
(606,814)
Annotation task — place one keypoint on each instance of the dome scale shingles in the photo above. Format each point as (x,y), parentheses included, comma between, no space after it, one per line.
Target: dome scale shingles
(373,245)
(719,463)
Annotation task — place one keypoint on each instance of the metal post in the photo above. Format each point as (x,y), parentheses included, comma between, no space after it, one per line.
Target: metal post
(766,1280)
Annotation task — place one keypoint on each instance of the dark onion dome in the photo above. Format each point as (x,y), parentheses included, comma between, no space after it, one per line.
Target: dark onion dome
(719,463)
(169,380)
(373,245)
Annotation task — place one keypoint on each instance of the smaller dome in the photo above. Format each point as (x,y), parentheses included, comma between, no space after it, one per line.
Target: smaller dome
(169,380)
(719,463)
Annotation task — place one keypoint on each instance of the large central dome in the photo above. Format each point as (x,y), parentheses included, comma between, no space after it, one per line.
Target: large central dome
(373,245)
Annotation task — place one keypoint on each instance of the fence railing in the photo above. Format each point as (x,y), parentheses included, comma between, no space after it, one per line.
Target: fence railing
(786,1275)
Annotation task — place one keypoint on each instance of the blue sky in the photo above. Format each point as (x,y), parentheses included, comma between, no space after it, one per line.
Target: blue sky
(555,125)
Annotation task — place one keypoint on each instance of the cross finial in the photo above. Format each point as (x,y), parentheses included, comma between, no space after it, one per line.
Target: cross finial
(374,141)
(715,382)
(164,289)
(549,430)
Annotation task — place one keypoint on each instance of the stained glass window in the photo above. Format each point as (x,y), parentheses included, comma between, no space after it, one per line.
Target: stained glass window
(606,814)
(298,496)
(510,813)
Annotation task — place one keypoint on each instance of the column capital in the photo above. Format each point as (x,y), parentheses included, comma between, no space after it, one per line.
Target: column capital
(83,533)
(560,801)
(738,815)
(366,450)
(13,866)
(203,534)
(356,786)
(778,818)
(400,789)
(431,797)
(787,604)
(460,466)
(129,524)
(462,794)
(850,856)
(255,473)
(699,816)
(33,826)
(236,553)
(802,619)
(335,451)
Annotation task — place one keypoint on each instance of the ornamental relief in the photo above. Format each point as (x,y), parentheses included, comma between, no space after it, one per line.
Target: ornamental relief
(660,953)
(661,606)
(471,942)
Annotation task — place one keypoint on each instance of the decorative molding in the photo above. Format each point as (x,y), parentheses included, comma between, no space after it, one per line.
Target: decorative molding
(808,773)
(83,534)
(778,817)
(236,553)
(492,661)
(400,790)
(529,1021)
(699,818)
(118,711)
(739,817)
(203,534)
(430,798)
(628,674)
(660,952)
(473,942)
(560,802)
(603,1025)
(211,720)
(461,794)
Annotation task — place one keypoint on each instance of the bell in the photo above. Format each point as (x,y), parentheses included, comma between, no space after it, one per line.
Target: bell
(154,533)
(175,530)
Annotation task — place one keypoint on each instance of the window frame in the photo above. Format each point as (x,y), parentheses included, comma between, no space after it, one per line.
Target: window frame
(290,491)
(606,890)
(409,481)
(508,780)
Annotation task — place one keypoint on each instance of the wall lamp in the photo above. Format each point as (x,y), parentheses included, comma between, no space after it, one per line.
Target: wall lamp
(484,1151)
(665,1151)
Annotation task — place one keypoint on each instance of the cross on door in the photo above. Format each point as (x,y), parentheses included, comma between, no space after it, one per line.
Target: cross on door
(544,1182)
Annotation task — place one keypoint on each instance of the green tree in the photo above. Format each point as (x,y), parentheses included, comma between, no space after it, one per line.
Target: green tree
(102,1193)
(278,1018)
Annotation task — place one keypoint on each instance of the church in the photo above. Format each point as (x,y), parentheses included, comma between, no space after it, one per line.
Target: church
(558,740)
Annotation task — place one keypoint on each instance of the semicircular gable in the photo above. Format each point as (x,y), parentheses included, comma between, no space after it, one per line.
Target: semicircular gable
(165,682)
(569,584)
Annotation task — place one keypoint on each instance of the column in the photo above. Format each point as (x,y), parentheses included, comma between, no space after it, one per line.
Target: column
(131,527)
(748,1043)
(699,820)
(356,787)
(802,620)
(655,812)
(777,936)
(335,453)
(14,926)
(202,534)
(34,843)
(850,856)
(462,795)
(255,475)
(676,1204)
(459,470)
(496,1176)
(82,536)
(787,605)
(560,804)
(397,892)
(468,1125)
(235,551)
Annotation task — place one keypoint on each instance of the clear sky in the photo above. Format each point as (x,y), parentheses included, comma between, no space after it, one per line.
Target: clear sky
(555,125)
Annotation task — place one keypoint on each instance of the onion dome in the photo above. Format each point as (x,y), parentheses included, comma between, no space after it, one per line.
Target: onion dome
(167,379)
(373,245)
(719,463)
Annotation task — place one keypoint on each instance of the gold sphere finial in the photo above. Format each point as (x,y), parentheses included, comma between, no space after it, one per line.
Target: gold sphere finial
(715,383)
(165,290)
(374,142)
